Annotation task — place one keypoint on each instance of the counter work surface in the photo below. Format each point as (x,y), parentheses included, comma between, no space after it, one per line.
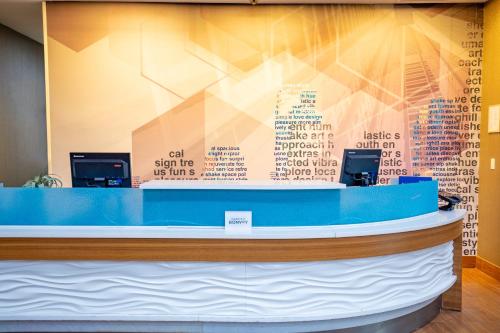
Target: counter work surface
(426,221)
(294,222)
(316,258)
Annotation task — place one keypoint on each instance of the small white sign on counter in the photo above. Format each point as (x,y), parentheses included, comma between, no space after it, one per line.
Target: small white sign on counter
(238,222)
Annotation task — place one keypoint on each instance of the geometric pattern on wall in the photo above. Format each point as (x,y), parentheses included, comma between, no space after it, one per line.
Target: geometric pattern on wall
(200,79)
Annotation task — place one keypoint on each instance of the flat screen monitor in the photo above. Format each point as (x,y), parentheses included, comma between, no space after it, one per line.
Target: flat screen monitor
(100,169)
(360,167)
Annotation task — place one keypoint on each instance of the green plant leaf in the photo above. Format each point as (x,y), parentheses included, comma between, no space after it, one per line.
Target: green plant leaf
(44,181)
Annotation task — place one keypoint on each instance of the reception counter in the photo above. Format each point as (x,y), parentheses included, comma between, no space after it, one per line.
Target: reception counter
(318,257)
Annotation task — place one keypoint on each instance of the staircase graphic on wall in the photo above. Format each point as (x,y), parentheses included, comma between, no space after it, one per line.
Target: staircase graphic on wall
(420,87)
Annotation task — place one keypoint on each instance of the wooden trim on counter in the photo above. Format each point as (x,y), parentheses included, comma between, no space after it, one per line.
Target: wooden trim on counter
(452,298)
(226,250)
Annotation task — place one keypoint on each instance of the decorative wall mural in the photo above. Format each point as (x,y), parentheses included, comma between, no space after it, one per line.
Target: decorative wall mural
(269,92)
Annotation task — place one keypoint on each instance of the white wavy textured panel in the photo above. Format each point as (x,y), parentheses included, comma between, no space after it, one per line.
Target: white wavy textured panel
(222,291)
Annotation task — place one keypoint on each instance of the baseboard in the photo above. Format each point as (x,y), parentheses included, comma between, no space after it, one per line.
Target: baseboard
(468,261)
(488,267)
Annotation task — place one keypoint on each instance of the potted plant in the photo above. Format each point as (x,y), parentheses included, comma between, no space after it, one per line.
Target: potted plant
(44,181)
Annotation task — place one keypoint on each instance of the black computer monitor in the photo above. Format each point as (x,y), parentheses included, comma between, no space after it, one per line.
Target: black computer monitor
(360,167)
(100,169)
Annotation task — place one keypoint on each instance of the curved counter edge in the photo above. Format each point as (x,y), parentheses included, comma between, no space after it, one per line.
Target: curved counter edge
(226,250)
(421,222)
(397,321)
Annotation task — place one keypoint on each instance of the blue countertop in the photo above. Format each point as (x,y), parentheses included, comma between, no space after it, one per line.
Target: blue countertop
(203,207)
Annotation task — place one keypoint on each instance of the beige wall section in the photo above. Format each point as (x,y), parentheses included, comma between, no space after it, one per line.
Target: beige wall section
(489,186)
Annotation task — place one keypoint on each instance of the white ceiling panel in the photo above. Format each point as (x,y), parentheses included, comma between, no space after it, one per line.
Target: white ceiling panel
(25,16)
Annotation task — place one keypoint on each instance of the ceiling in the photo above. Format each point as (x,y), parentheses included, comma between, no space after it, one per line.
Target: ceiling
(25,16)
